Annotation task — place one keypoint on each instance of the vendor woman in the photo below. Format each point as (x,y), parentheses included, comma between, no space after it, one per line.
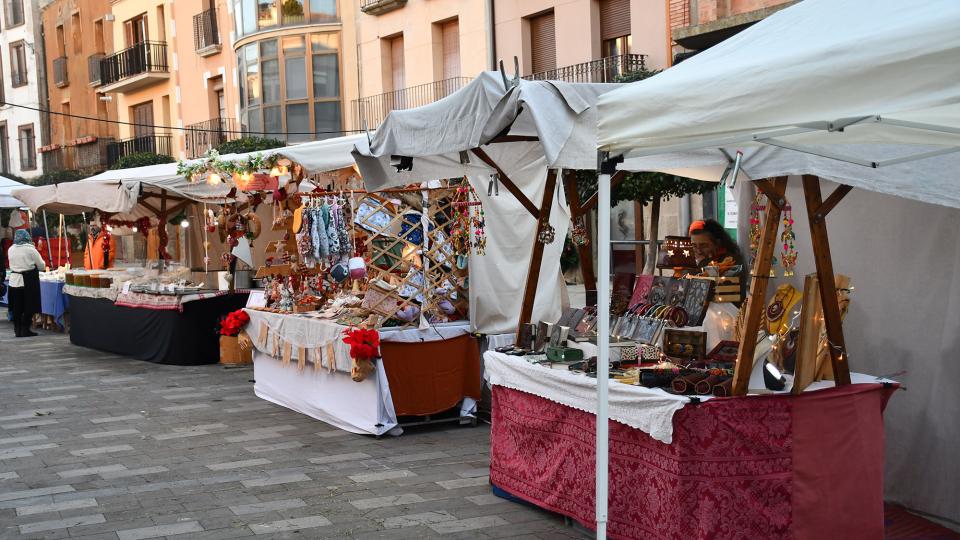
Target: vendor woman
(24,268)
(713,246)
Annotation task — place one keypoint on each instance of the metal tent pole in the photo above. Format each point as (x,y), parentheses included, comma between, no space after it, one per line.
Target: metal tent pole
(603,355)
(46,232)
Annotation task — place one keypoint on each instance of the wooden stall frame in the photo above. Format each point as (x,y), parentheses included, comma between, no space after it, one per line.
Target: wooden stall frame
(817,210)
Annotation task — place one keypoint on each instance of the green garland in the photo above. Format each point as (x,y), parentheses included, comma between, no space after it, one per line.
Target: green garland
(211,163)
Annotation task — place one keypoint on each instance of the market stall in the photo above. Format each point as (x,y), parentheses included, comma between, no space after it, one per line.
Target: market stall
(815,457)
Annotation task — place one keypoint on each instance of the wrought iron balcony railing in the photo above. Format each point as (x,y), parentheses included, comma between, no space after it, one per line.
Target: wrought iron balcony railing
(93,68)
(204,136)
(379,7)
(206,34)
(374,109)
(60,74)
(603,70)
(155,144)
(145,57)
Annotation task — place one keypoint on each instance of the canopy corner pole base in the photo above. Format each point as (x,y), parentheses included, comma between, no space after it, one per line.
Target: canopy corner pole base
(536,260)
(817,211)
(756,302)
(584,251)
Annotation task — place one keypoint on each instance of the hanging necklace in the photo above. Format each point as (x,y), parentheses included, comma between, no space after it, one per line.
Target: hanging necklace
(788,255)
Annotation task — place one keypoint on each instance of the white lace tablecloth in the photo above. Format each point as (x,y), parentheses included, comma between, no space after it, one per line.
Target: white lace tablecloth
(649,410)
(165,301)
(91,292)
(312,334)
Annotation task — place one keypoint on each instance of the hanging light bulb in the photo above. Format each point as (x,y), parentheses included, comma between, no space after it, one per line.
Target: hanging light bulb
(213,179)
(134,228)
(275,171)
(184,223)
(195,177)
(109,228)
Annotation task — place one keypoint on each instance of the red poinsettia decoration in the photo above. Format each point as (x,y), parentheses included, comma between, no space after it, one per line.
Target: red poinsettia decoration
(233,323)
(364,343)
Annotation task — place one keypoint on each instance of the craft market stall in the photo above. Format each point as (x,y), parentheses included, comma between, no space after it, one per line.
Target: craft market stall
(140,294)
(755,464)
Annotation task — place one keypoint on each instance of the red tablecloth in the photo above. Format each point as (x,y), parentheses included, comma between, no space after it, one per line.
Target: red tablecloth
(808,466)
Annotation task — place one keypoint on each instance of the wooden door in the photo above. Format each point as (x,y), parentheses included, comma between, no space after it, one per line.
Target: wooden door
(143,118)
(451,49)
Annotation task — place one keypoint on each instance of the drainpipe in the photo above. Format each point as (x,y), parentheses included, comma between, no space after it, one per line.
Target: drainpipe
(491,37)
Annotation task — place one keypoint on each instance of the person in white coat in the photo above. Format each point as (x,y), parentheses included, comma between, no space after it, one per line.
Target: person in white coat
(24,266)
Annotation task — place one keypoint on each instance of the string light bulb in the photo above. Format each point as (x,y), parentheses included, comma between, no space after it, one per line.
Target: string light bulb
(134,228)
(213,179)
(184,223)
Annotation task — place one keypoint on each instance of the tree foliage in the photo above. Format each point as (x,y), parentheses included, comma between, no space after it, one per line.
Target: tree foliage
(141,159)
(244,145)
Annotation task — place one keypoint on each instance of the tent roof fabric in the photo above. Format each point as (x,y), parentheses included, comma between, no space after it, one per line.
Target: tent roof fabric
(561,115)
(7,200)
(874,80)
(117,191)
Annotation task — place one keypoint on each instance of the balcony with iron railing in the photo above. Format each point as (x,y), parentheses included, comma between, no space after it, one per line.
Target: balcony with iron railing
(93,68)
(370,111)
(207,135)
(89,157)
(60,74)
(379,7)
(135,67)
(603,70)
(153,143)
(206,34)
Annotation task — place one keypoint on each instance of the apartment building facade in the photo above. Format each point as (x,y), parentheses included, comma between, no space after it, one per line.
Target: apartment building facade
(76,38)
(697,25)
(22,130)
(295,62)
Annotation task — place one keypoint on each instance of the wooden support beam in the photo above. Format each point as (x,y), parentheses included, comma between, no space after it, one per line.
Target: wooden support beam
(828,284)
(161,227)
(178,207)
(757,300)
(820,213)
(513,138)
(150,207)
(584,251)
(773,193)
(533,274)
(615,180)
(507,183)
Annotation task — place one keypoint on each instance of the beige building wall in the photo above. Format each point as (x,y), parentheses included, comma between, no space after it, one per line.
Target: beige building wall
(419,24)
(577,24)
(198,77)
(162,93)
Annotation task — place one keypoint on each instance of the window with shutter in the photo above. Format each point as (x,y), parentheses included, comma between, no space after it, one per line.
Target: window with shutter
(543,45)
(614,19)
(451,49)
(396,62)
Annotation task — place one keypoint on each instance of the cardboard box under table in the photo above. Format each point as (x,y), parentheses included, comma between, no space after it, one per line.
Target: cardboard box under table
(422,372)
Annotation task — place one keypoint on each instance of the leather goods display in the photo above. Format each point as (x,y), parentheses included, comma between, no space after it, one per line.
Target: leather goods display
(728,289)
(642,289)
(697,299)
(725,351)
(685,384)
(622,291)
(676,252)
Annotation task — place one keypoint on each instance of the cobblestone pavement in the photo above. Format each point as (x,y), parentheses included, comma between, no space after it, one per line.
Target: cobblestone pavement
(100,446)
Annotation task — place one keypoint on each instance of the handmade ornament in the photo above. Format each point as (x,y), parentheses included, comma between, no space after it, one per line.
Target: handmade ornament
(788,255)
(364,347)
(358,268)
(547,234)
(468,229)
(758,207)
(578,232)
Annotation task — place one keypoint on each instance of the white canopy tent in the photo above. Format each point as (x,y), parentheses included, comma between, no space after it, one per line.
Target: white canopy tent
(7,200)
(521,135)
(862,92)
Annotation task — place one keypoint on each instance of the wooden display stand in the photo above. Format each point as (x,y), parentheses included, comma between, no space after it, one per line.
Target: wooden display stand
(817,210)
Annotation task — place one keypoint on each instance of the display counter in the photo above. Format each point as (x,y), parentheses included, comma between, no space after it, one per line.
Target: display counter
(53,301)
(765,466)
(421,372)
(186,335)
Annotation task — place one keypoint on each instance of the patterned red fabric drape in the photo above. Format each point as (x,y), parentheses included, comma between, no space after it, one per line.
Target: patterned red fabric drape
(727,474)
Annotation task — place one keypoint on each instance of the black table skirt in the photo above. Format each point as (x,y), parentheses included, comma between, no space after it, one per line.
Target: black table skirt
(184,338)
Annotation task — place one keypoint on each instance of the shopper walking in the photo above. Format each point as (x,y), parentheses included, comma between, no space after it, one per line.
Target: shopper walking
(24,268)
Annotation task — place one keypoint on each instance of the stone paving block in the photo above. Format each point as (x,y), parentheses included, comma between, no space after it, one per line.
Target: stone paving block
(274,480)
(485,499)
(123,418)
(469,524)
(158,531)
(413,520)
(309,522)
(111,475)
(53,524)
(102,450)
(55,507)
(259,449)
(464,482)
(385,475)
(29,424)
(30,493)
(114,433)
(267,506)
(238,464)
(382,502)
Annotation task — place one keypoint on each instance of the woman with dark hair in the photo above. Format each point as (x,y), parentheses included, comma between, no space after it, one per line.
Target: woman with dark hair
(24,295)
(712,244)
